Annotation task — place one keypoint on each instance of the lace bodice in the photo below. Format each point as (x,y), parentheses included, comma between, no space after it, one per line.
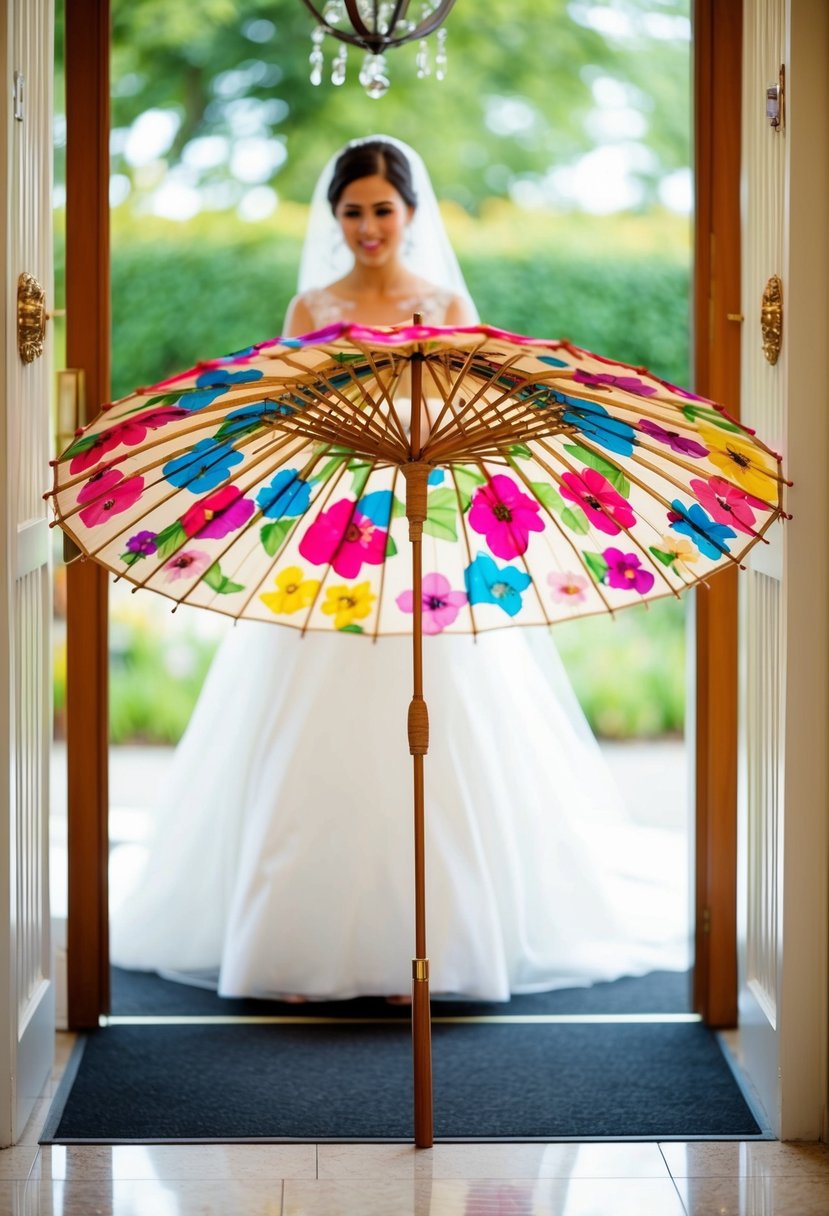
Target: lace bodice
(326,307)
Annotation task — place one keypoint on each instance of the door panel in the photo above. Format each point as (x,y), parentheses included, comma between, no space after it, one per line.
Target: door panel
(26,1049)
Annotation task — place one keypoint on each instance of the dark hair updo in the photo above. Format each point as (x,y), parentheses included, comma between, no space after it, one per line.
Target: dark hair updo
(374,157)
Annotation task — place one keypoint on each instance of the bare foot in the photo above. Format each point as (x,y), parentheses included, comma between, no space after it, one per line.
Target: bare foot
(294,999)
(402,999)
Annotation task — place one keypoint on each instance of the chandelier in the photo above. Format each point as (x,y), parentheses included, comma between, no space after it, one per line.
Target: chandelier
(376,26)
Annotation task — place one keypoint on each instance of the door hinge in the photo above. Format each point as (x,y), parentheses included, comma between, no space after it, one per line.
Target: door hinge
(19,84)
(706,920)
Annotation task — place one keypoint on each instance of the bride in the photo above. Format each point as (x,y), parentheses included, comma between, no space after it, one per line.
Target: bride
(282,864)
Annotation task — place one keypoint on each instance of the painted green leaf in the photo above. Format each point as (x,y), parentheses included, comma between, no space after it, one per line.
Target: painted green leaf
(361,471)
(391,547)
(521,450)
(695,413)
(612,472)
(596,565)
(273,534)
(467,480)
(667,559)
(351,629)
(169,540)
(442,511)
(328,470)
(220,582)
(130,558)
(576,520)
(548,496)
(398,508)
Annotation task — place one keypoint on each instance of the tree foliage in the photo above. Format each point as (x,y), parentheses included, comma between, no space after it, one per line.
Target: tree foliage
(519,97)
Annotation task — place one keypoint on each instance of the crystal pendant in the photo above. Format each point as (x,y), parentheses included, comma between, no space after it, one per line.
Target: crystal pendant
(440,57)
(316,58)
(334,12)
(423,60)
(338,66)
(373,75)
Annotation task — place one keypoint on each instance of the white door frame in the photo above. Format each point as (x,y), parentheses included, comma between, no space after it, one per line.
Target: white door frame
(27,1009)
(784,786)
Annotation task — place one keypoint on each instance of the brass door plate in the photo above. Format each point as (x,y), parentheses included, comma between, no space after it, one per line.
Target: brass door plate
(31,318)
(771,318)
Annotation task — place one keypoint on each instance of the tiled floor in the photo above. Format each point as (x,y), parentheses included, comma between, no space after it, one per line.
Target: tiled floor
(758,1178)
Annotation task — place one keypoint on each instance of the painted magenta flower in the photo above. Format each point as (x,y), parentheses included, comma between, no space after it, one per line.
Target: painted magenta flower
(625,572)
(344,538)
(630,384)
(87,451)
(567,588)
(441,604)
(673,439)
(489,583)
(348,605)
(709,536)
(218,513)
(143,543)
(293,591)
(728,504)
(204,467)
(188,563)
(287,494)
(108,492)
(505,516)
(741,461)
(603,506)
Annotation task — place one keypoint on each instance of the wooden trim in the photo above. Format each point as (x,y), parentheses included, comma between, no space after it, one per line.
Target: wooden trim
(87,347)
(717,97)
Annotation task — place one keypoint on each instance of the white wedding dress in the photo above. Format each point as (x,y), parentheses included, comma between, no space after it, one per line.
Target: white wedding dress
(283,862)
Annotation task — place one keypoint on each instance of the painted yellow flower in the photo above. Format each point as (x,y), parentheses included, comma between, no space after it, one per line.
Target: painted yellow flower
(742,462)
(684,551)
(292,592)
(348,604)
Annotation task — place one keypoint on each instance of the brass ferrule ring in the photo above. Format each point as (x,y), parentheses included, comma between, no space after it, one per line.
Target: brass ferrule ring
(420,969)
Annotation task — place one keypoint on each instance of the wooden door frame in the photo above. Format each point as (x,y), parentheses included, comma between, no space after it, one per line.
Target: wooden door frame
(87,41)
(717,55)
(717,61)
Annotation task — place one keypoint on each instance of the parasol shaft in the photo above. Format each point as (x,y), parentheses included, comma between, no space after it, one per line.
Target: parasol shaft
(417,474)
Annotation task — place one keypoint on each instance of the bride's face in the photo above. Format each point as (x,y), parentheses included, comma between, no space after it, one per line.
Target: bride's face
(373,218)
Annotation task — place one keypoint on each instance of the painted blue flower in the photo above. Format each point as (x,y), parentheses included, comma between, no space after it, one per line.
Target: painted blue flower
(288,494)
(694,522)
(552,362)
(596,423)
(249,418)
(213,384)
(377,507)
(488,583)
(436,477)
(203,468)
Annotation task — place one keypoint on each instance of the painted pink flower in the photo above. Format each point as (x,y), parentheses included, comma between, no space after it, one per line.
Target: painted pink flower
(505,515)
(130,433)
(567,588)
(728,504)
(630,384)
(624,571)
(187,563)
(603,506)
(441,604)
(345,539)
(108,493)
(218,513)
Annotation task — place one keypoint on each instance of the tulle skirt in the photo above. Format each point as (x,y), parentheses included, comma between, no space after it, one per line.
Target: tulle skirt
(282,861)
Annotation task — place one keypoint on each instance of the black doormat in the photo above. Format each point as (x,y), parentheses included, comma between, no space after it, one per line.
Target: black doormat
(143,993)
(353,1082)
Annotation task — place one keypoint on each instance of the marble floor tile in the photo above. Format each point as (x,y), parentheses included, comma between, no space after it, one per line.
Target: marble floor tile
(623,1160)
(501,1197)
(168,1162)
(17,1162)
(754,1196)
(701,1159)
(32,1130)
(137,1198)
